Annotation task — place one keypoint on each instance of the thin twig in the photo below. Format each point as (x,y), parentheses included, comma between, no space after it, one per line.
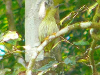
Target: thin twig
(69,42)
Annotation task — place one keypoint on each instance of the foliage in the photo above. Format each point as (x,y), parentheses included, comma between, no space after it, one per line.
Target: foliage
(11,42)
(73,46)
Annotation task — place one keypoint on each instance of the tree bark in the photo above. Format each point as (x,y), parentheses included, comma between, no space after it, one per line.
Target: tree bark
(32,22)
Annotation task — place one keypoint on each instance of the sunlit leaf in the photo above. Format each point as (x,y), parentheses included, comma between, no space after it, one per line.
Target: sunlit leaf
(82,60)
(10,35)
(91,8)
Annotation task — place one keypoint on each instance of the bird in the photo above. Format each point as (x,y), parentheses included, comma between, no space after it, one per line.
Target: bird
(49,27)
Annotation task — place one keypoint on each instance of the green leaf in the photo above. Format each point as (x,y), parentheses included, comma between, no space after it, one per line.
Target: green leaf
(12,42)
(3,71)
(70,61)
(18,68)
(91,8)
(81,43)
(82,60)
(98,2)
(47,66)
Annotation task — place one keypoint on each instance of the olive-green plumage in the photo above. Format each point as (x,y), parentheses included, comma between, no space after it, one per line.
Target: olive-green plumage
(47,27)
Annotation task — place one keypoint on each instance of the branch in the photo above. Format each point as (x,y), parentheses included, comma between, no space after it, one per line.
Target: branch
(86,53)
(95,37)
(91,57)
(66,30)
